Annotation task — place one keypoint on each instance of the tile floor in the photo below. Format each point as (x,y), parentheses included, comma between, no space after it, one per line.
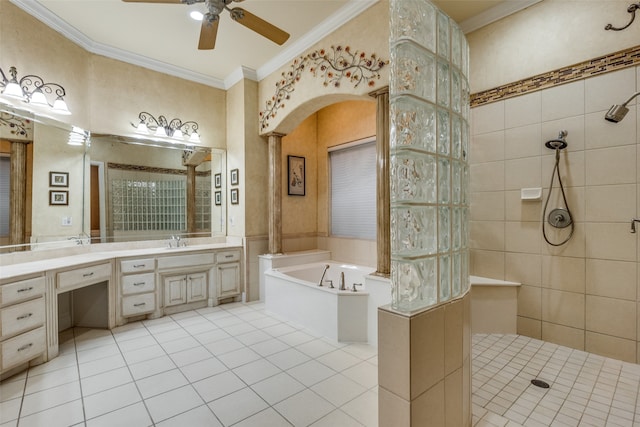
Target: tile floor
(235,365)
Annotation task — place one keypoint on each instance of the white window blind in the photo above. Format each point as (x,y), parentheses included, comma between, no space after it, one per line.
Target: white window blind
(5,166)
(353,191)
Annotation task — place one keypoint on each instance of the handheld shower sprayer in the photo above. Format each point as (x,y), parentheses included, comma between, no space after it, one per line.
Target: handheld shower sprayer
(617,112)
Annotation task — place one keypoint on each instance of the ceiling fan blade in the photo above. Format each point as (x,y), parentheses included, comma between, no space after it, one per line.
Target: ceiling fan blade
(259,25)
(208,33)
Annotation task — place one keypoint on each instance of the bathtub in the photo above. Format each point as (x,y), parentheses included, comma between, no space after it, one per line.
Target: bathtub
(293,293)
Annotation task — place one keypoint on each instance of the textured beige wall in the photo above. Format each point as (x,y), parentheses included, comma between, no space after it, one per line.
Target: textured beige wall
(549,35)
(236,158)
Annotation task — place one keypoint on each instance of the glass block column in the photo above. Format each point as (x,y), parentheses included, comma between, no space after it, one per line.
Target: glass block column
(429,150)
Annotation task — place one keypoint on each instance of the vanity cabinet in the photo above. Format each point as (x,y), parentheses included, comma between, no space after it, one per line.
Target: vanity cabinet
(137,287)
(22,319)
(185,288)
(227,273)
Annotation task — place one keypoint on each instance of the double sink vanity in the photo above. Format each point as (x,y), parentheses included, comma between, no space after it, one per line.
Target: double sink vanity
(104,290)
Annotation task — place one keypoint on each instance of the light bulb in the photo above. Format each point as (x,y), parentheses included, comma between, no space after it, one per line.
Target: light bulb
(38,98)
(160,131)
(196,15)
(60,107)
(177,134)
(194,137)
(13,90)
(142,128)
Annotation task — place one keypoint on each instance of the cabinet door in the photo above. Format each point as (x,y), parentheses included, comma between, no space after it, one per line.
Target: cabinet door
(228,276)
(196,287)
(175,290)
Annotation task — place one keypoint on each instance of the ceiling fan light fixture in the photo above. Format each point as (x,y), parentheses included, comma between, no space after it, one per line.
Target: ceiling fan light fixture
(196,15)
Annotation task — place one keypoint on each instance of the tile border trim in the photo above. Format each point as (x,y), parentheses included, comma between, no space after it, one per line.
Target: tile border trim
(603,64)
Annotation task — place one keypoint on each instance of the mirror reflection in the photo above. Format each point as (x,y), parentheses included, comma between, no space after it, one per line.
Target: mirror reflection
(78,190)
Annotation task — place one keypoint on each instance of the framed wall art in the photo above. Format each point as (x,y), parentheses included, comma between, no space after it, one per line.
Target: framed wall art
(234,196)
(234,177)
(60,198)
(218,198)
(58,179)
(296,177)
(217,180)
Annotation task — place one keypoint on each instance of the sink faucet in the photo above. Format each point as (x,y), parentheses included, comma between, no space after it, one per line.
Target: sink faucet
(326,267)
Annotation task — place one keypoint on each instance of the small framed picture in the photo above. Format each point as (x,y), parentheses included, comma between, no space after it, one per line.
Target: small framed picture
(234,177)
(234,196)
(218,198)
(217,180)
(296,184)
(58,179)
(58,197)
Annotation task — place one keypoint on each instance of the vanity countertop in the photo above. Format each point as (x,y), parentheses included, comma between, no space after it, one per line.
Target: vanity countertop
(10,271)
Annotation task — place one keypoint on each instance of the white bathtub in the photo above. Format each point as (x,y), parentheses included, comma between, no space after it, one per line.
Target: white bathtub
(293,293)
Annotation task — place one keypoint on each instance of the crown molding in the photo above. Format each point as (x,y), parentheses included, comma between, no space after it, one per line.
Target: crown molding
(346,13)
(238,74)
(495,13)
(329,25)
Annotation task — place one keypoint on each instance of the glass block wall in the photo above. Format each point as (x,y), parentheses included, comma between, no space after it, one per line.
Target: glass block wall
(429,156)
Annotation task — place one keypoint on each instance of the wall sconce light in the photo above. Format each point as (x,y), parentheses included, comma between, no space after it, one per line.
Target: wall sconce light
(78,136)
(175,129)
(32,89)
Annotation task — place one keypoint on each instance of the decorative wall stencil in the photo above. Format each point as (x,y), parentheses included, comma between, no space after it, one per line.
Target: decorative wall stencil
(18,126)
(428,165)
(334,66)
(603,64)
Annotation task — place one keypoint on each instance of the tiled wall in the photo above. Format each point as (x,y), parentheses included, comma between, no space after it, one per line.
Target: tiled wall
(583,294)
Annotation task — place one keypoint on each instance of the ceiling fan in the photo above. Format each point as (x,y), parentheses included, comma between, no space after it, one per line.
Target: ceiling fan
(209,29)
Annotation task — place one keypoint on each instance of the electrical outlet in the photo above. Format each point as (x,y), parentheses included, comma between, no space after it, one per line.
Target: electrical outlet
(66,221)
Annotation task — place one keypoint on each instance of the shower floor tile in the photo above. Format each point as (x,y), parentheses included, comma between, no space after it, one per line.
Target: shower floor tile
(185,370)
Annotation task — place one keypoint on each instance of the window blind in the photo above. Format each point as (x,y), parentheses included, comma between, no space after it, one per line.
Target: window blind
(353,191)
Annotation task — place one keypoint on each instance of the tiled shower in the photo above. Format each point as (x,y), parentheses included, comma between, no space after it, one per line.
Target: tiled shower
(583,294)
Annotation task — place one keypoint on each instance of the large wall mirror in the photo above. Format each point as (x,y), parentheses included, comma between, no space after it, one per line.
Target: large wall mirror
(73,188)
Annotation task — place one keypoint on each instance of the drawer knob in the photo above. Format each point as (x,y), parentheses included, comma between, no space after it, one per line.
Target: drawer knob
(24,316)
(88,274)
(30,288)
(140,304)
(25,347)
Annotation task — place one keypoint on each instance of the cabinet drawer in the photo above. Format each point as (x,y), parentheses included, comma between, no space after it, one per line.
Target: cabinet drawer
(22,317)
(22,348)
(227,256)
(137,265)
(137,283)
(138,304)
(185,260)
(81,276)
(21,291)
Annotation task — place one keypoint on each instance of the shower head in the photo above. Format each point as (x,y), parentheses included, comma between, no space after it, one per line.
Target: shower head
(617,112)
(558,143)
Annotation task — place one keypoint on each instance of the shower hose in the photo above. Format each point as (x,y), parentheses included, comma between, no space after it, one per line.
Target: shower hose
(556,171)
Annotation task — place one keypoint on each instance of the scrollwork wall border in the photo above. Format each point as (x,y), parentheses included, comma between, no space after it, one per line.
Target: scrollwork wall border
(335,65)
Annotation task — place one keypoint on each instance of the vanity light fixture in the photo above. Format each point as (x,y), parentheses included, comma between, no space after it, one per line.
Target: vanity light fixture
(175,129)
(32,89)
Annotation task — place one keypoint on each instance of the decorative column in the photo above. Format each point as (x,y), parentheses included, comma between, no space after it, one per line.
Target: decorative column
(191,198)
(275,192)
(383,234)
(17,194)
(424,337)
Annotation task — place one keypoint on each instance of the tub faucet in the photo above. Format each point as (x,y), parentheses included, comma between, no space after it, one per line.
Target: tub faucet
(353,288)
(342,288)
(326,267)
